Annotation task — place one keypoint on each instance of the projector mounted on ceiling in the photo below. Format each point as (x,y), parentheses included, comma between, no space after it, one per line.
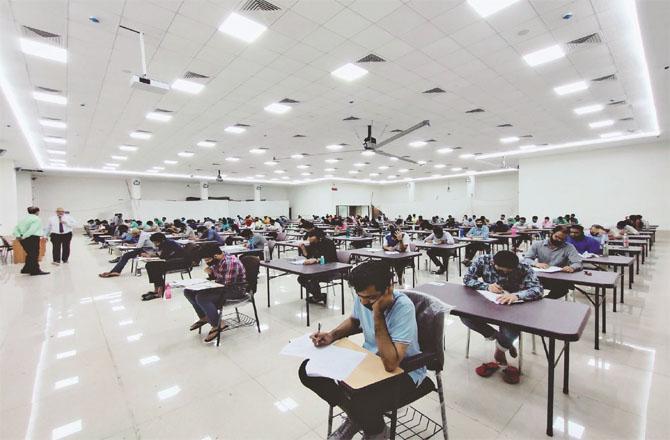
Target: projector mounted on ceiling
(219,177)
(143,82)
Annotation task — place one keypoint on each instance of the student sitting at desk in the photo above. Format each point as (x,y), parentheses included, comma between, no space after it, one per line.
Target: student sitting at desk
(227,270)
(209,234)
(547,223)
(319,246)
(480,230)
(172,256)
(439,237)
(583,243)
(620,229)
(387,319)
(254,240)
(512,280)
(143,247)
(554,251)
(599,233)
(397,240)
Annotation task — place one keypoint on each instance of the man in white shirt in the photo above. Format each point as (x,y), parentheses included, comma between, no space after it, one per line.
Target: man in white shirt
(398,241)
(59,229)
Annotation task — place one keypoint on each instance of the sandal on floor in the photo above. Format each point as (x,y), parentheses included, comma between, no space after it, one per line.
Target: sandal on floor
(511,375)
(196,325)
(154,295)
(212,335)
(108,275)
(487,369)
(149,293)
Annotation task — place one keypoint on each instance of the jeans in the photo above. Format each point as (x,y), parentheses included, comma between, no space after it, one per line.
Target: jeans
(61,242)
(118,267)
(557,289)
(365,407)
(473,247)
(32,247)
(156,270)
(505,337)
(311,284)
(433,254)
(206,302)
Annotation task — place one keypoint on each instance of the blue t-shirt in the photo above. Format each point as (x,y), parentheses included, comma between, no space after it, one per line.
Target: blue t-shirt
(401,325)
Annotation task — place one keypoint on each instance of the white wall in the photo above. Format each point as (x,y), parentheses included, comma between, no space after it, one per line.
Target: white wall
(320,199)
(9,211)
(599,186)
(199,209)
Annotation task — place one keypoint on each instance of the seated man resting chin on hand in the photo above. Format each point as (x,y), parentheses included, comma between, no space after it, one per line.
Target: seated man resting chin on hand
(512,280)
(387,319)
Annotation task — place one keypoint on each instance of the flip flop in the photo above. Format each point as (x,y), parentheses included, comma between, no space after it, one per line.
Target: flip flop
(196,325)
(487,369)
(511,375)
(108,275)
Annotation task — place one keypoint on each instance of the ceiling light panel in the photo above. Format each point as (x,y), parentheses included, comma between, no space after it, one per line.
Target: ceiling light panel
(57,152)
(242,28)
(55,140)
(235,129)
(509,140)
(53,123)
(206,144)
(127,148)
(186,86)
(334,147)
(277,108)
(349,72)
(571,88)
(543,56)
(159,116)
(50,98)
(43,50)
(185,154)
(418,144)
(600,124)
(144,135)
(585,110)
(489,7)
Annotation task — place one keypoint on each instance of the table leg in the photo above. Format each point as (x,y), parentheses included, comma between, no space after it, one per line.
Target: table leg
(550,386)
(306,303)
(597,323)
(614,289)
(604,306)
(637,263)
(414,275)
(446,266)
(342,288)
(622,282)
(630,278)
(459,262)
(566,366)
(267,280)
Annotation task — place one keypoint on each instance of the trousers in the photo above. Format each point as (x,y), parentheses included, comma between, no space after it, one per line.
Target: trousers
(32,247)
(61,247)
(505,337)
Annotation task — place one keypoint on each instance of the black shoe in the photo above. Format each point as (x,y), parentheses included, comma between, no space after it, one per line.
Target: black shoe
(115,260)
(317,299)
(40,273)
(24,271)
(466,263)
(441,271)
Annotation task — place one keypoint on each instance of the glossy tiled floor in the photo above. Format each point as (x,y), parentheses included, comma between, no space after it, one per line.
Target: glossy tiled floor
(83,357)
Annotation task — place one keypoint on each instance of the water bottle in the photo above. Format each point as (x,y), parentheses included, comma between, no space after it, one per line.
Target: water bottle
(266,252)
(606,249)
(322,260)
(168,292)
(626,241)
(513,230)
(347,233)
(460,232)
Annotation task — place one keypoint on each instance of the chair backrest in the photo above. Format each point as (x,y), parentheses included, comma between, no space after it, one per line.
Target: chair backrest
(193,256)
(252,266)
(281,236)
(430,315)
(343,256)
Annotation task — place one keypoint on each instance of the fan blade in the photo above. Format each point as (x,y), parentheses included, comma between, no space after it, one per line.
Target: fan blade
(382,153)
(403,133)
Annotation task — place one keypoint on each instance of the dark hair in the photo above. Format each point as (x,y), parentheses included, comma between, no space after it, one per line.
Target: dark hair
(580,227)
(318,233)
(208,250)
(33,210)
(437,230)
(621,224)
(150,223)
(246,233)
(122,228)
(506,259)
(560,228)
(307,224)
(201,228)
(371,273)
(157,236)
(597,226)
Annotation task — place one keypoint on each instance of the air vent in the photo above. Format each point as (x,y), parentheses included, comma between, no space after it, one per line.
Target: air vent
(588,39)
(351,118)
(630,118)
(259,5)
(372,58)
(431,140)
(33,32)
(193,75)
(288,101)
(162,110)
(435,90)
(397,130)
(343,145)
(526,136)
(242,125)
(216,164)
(299,136)
(617,102)
(475,110)
(47,89)
(505,125)
(457,148)
(142,131)
(611,77)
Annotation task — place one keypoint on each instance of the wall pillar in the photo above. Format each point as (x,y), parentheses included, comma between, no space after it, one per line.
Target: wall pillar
(470,194)
(257,192)
(204,191)
(9,209)
(411,191)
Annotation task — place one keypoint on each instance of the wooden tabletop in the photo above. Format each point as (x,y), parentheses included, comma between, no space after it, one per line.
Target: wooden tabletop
(476,240)
(423,244)
(383,255)
(613,260)
(285,265)
(594,278)
(546,317)
(370,370)
(353,238)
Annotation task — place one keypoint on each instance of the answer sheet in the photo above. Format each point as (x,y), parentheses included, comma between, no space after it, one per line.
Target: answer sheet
(493,297)
(330,361)
(550,269)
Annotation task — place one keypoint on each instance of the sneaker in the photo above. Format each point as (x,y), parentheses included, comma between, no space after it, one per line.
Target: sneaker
(441,271)
(115,260)
(56,263)
(346,431)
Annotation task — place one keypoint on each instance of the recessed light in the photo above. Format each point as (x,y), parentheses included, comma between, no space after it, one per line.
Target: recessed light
(206,144)
(489,7)
(185,154)
(349,72)
(334,147)
(302,167)
(232,159)
(159,116)
(509,140)
(242,28)
(456,169)
(373,174)
(170,162)
(466,156)
(527,147)
(49,97)
(545,55)
(439,165)
(112,164)
(353,171)
(403,170)
(53,123)
(58,152)
(257,151)
(599,124)
(611,134)
(571,88)
(158,168)
(127,148)
(270,163)
(360,164)
(421,162)
(297,156)
(119,157)
(330,169)
(445,150)
(235,129)
(368,153)
(417,144)
(589,109)
(144,135)
(43,50)
(279,171)
(393,159)
(55,140)
(277,108)
(383,167)
(260,175)
(191,87)
(332,160)
(392,176)
(306,174)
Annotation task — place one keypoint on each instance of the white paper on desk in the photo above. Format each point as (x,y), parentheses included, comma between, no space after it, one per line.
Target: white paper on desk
(391,252)
(204,286)
(232,248)
(493,297)
(588,255)
(189,282)
(330,361)
(435,283)
(298,261)
(550,269)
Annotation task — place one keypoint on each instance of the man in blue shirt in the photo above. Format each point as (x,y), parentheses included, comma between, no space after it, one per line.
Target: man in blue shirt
(582,242)
(387,319)
(480,230)
(210,234)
